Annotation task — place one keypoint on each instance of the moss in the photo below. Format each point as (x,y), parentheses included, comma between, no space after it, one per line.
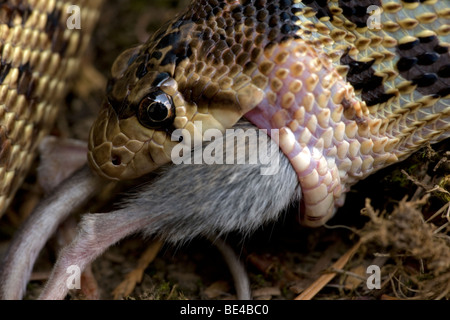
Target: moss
(444,184)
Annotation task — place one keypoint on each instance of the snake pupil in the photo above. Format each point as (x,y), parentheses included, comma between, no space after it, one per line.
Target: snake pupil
(157,111)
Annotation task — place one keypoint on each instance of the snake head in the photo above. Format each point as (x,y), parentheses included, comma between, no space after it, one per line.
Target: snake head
(132,134)
(149,100)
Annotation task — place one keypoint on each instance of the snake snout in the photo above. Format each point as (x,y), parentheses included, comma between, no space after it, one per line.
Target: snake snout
(119,151)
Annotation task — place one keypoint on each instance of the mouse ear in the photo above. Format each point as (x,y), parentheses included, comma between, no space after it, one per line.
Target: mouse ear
(123,61)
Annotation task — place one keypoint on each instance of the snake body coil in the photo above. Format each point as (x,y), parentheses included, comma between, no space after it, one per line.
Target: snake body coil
(39,56)
(347,99)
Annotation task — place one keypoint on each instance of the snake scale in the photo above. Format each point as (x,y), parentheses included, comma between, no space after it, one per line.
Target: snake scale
(39,57)
(347,99)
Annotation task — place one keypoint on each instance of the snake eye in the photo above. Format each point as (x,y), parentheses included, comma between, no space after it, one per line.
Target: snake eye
(156,110)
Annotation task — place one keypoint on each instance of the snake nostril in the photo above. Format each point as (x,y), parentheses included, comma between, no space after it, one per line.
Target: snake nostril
(115,160)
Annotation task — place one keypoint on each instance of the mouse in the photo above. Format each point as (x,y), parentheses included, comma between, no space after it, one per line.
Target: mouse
(183,202)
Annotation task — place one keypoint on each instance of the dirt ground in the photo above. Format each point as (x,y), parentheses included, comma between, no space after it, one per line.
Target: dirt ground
(396,219)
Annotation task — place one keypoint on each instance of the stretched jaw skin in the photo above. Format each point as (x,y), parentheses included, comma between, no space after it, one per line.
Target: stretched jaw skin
(327,134)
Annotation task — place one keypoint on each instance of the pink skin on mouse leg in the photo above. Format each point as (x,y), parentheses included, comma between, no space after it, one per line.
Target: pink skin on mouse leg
(59,159)
(65,234)
(97,233)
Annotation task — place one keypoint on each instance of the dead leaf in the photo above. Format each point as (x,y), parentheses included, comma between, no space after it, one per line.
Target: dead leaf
(268,291)
(352,282)
(262,263)
(318,285)
(135,276)
(217,289)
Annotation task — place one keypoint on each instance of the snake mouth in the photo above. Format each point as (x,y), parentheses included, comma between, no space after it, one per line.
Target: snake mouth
(121,149)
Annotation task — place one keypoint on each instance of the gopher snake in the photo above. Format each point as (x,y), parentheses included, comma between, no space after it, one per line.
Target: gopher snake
(348,100)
